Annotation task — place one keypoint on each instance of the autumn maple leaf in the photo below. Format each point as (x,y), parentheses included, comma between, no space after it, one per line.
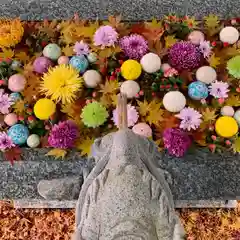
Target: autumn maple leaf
(57,153)
(13,154)
(143,107)
(109,87)
(209,115)
(19,107)
(85,145)
(169,41)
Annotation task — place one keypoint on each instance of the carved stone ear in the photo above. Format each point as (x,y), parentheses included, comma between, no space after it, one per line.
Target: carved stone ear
(101,146)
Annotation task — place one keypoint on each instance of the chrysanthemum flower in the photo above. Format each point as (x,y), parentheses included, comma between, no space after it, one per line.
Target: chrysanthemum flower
(63,135)
(11,32)
(233,66)
(132,115)
(81,48)
(184,55)
(61,83)
(205,48)
(190,118)
(94,114)
(176,141)
(219,89)
(5,141)
(5,102)
(134,46)
(105,36)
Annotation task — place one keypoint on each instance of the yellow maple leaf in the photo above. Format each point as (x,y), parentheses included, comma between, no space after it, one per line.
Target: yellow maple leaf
(88,31)
(68,110)
(154,105)
(143,107)
(6,53)
(85,146)
(22,56)
(169,41)
(109,87)
(236,145)
(19,107)
(233,100)
(209,115)
(214,61)
(155,23)
(57,153)
(68,50)
(211,21)
(155,116)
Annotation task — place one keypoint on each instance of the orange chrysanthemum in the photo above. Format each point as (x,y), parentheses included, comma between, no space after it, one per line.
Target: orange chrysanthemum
(11,32)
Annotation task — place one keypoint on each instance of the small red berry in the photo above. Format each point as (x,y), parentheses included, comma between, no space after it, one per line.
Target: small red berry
(153,94)
(228,142)
(118,70)
(214,44)
(43,43)
(137,95)
(234,21)
(141,92)
(121,62)
(221,100)
(20,118)
(214,138)
(175,86)
(2,82)
(112,78)
(94,94)
(238,89)
(31,118)
(168,86)
(225,44)
(162,86)
(212,147)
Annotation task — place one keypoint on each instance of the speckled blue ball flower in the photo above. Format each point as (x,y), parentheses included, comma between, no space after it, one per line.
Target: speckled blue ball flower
(198,90)
(18,133)
(80,63)
(184,56)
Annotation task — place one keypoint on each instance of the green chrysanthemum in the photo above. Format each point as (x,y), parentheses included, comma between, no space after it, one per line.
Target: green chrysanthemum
(94,114)
(233,66)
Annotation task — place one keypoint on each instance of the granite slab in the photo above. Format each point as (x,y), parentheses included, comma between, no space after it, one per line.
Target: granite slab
(131,10)
(70,204)
(200,175)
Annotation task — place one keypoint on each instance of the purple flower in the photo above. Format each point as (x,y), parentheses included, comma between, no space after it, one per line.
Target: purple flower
(105,36)
(219,89)
(176,141)
(63,135)
(205,48)
(191,119)
(132,115)
(134,46)
(184,55)
(5,102)
(5,141)
(81,48)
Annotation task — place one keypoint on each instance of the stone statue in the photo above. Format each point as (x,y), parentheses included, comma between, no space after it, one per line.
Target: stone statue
(126,195)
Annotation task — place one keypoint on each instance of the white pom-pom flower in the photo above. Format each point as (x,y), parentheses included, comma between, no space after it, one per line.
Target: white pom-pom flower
(229,35)
(174,101)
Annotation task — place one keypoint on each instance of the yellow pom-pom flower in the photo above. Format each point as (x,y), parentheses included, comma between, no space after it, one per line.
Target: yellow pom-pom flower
(11,32)
(44,108)
(131,69)
(61,83)
(226,126)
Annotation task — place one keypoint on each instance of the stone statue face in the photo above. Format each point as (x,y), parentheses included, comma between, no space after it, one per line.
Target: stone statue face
(126,195)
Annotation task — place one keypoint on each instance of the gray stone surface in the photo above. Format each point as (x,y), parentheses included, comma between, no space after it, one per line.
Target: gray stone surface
(61,188)
(134,9)
(200,175)
(126,195)
(39,203)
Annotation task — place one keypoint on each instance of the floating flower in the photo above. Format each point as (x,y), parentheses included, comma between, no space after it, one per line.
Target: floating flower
(81,48)
(191,119)
(94,114)
(5,141)
(205,48)
(176,141)
(219,89)
(61,83)
(132,115)
(11,32)
(184,55)
(63,135)
(233,66)
(134,46)
(5,102)
(105,36)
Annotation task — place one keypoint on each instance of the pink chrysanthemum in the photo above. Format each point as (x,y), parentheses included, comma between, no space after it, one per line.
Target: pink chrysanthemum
(105,36)
(132,115)
(205,48)
(5,141)
(191,119)
(81,48)
(134,46)
(5,102)
(219,89)
(63,135)
(184,55)
(176,141)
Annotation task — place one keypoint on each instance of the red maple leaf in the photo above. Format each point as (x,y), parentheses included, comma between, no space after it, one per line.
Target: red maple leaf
(13,154)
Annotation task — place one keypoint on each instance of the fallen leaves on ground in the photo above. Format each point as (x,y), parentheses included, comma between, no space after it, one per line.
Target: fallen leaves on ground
(44,224)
